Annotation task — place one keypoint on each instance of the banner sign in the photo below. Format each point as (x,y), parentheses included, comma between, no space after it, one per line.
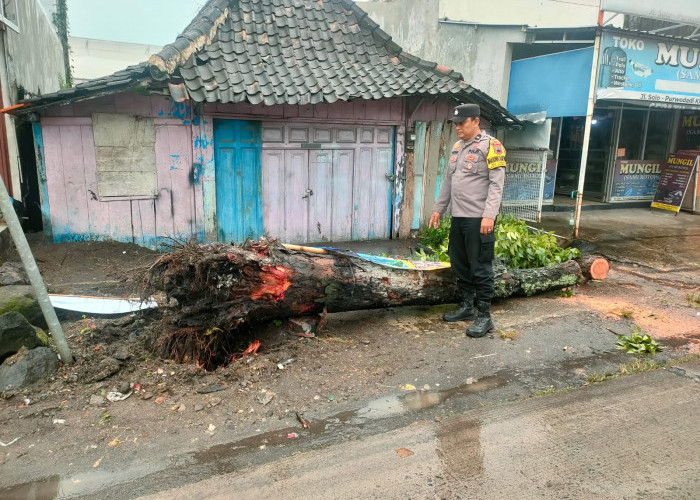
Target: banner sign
(642,68)
(635,180)
(675,176)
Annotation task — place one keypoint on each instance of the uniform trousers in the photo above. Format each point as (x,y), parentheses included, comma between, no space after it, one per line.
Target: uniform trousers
(471,258)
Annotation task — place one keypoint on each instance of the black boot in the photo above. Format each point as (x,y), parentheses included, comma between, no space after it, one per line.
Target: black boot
(464,311)
(483,324)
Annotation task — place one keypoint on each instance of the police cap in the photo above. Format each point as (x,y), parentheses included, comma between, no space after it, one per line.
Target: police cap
(464,111)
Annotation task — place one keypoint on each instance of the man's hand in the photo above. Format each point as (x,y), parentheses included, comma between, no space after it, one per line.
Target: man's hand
(486,225)
(434,220)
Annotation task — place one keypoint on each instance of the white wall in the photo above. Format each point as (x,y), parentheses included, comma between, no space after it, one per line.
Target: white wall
(93,58)
(540,13)
(480,53)
(33,59)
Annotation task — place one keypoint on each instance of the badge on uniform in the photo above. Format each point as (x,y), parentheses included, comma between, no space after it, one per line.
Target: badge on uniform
(456,146)
(469,165)
(453,158)
(471,157)
(497,154)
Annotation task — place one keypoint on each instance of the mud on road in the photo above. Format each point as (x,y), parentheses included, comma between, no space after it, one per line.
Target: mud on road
(67,428)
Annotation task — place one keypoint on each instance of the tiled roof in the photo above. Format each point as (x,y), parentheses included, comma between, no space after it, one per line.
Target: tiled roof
(301,52)
(125,79)
(295,52)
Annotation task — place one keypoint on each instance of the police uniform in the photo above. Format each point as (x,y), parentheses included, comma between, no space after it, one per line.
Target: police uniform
(473,183)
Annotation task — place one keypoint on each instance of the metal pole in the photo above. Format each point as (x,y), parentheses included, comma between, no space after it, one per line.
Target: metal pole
(30,266)
(586,134)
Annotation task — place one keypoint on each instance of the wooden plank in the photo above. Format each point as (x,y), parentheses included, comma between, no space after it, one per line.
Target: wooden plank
(40,155)
(143,222)
(296,203)
(98,210)
(196,149)
(291,111)
(447,140)
(74,182)
(431,170)
(321,202)
(273,192)
(55,181)
(136,184)
(204,155)
(397,167)
(321,110)
(132,104)
(180,153)
(341,109)
(378,109)
(343,187)
(397,109)
(364,188)
(381,194)
(120,220)
(407,209)
(165,209)
(419,158)
(54,121)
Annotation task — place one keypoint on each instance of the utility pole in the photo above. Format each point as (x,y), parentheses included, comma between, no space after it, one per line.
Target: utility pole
(25,253)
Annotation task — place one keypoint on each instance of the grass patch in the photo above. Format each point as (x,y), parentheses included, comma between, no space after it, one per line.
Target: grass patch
(625,313)
(509,334)
(552,390)
(597,377)
(694,299)
(639,365)
(567,292)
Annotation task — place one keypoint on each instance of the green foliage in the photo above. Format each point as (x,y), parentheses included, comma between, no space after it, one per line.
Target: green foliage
(437,240)
(694,299)
(638,342)
(60,20)
(515,243)
(523,249)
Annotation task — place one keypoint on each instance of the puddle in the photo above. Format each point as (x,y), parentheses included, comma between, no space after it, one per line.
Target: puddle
(229,457)
(46,489)
(420,400)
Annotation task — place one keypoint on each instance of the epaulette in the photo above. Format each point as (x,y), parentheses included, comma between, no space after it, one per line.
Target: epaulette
(497,154)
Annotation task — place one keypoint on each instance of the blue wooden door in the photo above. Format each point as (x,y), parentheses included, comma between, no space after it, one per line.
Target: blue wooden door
(238,180)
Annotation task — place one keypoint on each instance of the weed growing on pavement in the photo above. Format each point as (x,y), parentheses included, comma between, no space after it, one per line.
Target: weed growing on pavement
(625,313)
(638,342)
(567,292)
(596,377)
(552,390)
(508,334)
(639,365)
(694,299)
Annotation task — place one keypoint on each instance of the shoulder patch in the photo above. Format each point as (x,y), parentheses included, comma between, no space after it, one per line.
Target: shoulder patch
(497,154)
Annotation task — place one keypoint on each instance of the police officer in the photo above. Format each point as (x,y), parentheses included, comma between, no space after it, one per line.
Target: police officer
(474,184)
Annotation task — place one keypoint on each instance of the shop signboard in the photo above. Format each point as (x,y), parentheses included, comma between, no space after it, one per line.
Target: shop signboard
(676,173)
(635,180)
(665,72)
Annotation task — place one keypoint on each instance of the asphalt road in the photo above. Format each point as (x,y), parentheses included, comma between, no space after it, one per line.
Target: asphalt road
(631,437)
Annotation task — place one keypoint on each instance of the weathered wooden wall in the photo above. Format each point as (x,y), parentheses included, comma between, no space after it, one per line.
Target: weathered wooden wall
(186,202)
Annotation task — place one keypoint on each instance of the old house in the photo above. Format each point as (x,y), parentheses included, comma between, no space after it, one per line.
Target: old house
(282,117)
(31,64)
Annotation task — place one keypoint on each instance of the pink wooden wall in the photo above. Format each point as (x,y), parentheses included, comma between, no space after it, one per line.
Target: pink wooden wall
(186,202)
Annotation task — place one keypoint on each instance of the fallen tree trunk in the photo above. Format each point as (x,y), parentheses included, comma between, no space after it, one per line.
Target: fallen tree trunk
(594,267)
(223,286)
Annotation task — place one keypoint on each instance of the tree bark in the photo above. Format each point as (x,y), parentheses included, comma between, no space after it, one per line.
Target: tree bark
(594,267)
(223,286)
